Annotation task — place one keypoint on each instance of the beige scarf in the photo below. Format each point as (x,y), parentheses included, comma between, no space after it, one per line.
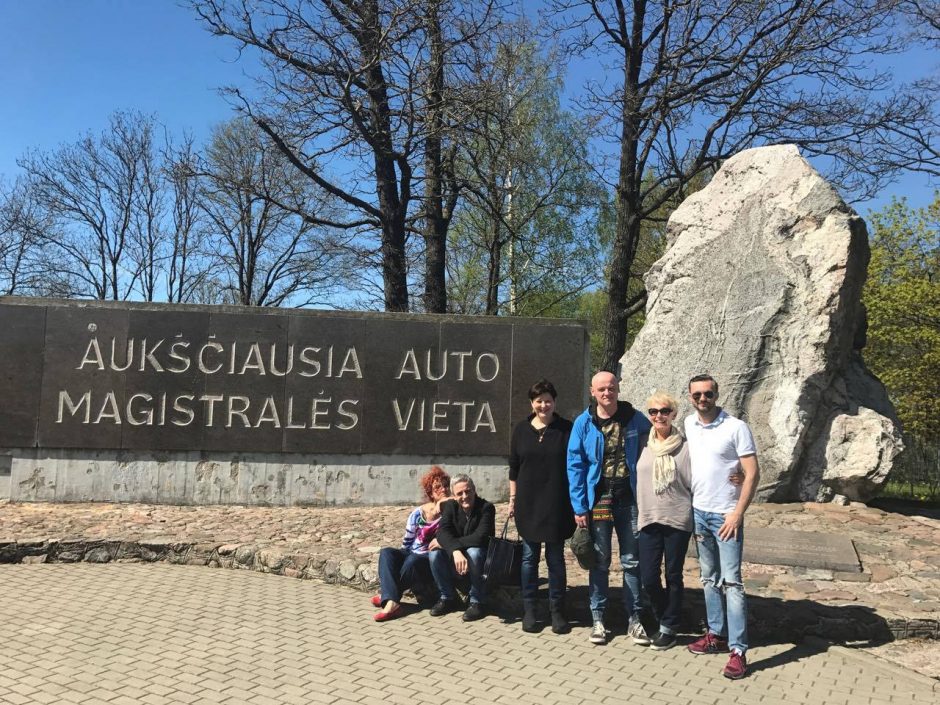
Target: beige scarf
(664,465)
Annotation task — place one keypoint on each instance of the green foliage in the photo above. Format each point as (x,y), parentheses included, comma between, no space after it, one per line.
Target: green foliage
(591,306)
(902,296)
(916,473)
(524,241)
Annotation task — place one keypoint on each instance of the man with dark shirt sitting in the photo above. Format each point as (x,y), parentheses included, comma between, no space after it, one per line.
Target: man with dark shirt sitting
(465,530)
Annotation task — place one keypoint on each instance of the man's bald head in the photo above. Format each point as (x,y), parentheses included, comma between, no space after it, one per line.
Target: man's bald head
(604,377)
(605,388)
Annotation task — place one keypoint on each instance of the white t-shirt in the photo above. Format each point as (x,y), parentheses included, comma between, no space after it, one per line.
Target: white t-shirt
(715,450)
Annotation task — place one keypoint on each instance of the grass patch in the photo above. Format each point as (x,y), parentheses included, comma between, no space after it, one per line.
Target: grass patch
(921,492)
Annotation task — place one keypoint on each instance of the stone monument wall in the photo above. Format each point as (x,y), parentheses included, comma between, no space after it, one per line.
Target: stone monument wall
(213,404)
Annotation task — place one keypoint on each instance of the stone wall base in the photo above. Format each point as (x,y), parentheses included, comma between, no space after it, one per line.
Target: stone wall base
(265,479)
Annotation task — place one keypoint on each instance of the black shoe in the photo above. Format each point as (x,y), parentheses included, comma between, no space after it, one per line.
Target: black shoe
(661,642)
(559,622)
(529,620)
(474,612)
(442,607)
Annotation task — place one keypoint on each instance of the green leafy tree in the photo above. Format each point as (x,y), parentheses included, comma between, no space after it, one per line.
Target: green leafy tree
(902,297)
(524,239)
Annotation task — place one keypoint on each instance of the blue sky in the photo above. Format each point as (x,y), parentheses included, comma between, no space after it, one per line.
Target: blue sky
(66,65)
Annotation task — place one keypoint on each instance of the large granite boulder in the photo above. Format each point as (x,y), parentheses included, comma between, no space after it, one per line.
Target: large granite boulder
(761,288)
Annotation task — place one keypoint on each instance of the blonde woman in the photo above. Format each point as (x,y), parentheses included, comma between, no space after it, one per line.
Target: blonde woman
(664,501)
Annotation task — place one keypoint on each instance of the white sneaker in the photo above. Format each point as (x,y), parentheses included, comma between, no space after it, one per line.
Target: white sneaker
(638,633)
(598,633)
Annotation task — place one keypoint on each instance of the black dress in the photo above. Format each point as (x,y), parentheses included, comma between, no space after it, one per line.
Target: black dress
(538,462)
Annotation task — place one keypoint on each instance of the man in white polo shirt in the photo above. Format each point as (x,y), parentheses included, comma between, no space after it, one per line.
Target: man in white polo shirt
(720,445)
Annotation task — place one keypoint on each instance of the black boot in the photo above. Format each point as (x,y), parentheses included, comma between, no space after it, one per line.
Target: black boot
(529,620)
(559,623)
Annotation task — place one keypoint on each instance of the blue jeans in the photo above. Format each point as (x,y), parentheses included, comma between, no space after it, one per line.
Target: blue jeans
(445,575)
(658,541)
(557,574)
(624,524)
(720,563)
(400,570)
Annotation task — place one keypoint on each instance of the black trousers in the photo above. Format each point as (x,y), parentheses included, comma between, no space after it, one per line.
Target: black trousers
(659,543)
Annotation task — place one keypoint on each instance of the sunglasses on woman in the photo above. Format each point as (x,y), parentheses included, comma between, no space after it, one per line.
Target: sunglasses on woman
(665,411)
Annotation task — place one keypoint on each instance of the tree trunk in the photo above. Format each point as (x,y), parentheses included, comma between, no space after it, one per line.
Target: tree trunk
(615,318)
(392,203)
(435,225)
(394,270)
(628,199)
(494,265)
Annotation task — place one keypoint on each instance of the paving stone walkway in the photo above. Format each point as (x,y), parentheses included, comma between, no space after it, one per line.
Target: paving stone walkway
(159,634)
(896,595)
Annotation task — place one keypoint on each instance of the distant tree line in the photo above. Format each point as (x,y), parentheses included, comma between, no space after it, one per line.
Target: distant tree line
(415,155)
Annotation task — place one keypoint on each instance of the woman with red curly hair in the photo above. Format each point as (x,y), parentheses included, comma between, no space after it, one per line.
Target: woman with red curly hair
(409,566)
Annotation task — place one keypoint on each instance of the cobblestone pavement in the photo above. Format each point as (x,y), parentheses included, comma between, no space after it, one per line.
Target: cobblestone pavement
(155,634)
(897,594)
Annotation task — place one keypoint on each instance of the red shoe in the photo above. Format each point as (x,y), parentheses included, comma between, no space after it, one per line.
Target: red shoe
(376,600)
(709,644)
(385,616)
(736,668)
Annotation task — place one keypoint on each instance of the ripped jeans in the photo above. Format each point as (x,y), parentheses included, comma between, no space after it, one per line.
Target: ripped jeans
(720,564)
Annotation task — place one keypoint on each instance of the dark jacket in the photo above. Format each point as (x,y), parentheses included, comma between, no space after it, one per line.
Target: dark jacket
(459,530)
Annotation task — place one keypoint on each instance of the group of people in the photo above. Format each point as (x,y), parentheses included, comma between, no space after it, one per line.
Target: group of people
(612,471)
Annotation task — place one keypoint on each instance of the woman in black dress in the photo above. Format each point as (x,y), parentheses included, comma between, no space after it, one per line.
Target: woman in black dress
(538,499)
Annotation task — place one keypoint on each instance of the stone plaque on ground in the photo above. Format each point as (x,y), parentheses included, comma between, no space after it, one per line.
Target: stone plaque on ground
(800,548)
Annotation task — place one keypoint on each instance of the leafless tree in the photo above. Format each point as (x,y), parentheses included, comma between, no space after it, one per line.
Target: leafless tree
(250,195)
(185,265)
(27,264)
(356,96)
(90,192)
(924,17)
(148,239)
(694,81)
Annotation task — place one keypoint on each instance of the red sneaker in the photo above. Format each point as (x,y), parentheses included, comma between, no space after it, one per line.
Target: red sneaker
(376,600)
(709,644)
(385,616)
(736,668)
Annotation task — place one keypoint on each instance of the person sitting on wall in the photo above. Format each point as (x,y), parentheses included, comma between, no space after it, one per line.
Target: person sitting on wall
(409,567)
(465,530)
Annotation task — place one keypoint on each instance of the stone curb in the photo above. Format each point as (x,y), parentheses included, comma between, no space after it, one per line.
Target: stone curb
(871,662)
(796,623)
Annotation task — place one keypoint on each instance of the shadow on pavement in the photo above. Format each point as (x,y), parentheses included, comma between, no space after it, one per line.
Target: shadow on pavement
(771,620)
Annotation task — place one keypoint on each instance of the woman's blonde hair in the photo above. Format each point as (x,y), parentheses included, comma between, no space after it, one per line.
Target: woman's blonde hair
(660,399)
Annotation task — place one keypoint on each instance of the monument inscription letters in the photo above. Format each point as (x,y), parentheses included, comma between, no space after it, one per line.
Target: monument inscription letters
(226,379)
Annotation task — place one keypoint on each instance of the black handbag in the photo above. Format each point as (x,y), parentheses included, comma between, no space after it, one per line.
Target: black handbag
(503,564)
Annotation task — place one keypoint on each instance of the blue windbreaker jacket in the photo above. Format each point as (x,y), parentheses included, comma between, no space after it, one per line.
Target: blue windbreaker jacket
(586,455)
